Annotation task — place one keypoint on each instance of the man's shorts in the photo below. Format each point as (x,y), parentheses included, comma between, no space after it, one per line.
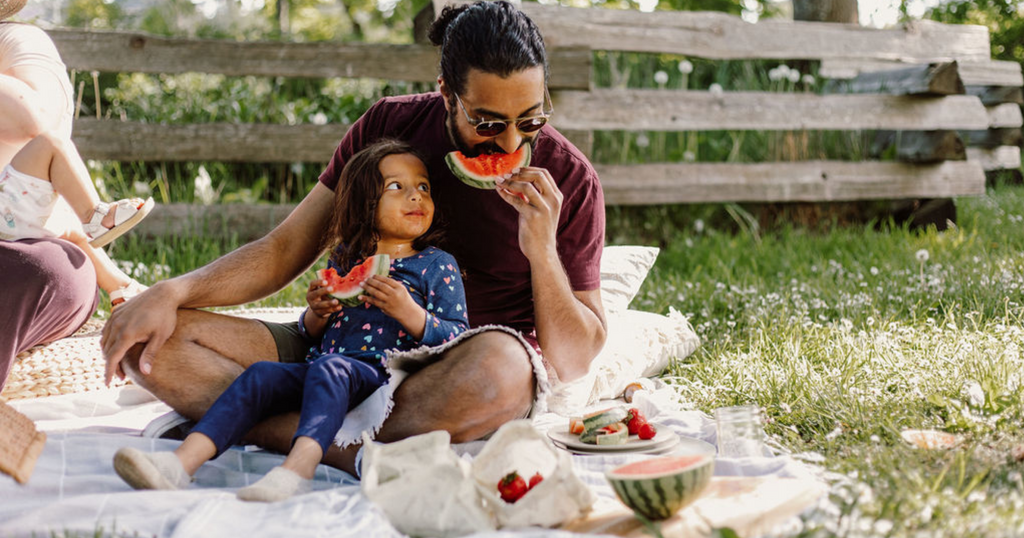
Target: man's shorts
(292,346)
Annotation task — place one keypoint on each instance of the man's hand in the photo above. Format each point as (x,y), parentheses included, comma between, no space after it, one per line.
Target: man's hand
(533,193)
(392,297)
(149,318)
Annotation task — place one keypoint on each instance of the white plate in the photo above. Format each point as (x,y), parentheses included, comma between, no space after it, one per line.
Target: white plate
(572,441)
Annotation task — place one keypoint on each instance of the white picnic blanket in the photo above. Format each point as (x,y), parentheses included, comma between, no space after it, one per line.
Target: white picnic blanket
(74,487)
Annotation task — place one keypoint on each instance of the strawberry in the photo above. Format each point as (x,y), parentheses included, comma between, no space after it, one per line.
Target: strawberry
(647,431)
(535,479)
(634,419)
(512,487)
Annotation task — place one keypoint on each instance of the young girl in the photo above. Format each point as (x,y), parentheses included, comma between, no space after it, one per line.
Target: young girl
(43,179)
(382,206)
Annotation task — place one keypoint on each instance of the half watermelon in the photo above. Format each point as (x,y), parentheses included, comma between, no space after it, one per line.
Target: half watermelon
(657,488)
(483,172)
(347,289)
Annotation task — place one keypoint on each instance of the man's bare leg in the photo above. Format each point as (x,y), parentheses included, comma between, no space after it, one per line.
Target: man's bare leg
(473,389)
(204,355)
(476,387)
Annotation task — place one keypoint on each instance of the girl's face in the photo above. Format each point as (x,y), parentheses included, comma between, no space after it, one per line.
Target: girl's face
(406,209)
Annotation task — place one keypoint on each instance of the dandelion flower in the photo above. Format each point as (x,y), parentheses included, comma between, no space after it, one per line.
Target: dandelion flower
(689,156)
(922,255)
(204,187)
(685,67)
(715,88)
(642,140)
(660,78)
(698,225)
(774,74)
(793,75)
(809,80)
(319,118)
(142,188)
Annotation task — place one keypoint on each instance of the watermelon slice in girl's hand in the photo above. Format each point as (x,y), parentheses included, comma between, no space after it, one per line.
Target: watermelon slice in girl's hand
(348,288)
(483,172)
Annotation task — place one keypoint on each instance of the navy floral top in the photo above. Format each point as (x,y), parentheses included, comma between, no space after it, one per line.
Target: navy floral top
(365,332)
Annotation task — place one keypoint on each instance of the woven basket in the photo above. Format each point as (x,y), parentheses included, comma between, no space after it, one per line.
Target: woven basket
(69,365)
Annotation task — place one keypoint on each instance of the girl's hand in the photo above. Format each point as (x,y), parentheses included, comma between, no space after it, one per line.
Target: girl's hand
(321,304)
(392,297)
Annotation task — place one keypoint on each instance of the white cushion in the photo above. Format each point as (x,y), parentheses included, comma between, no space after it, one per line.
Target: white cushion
(623,270)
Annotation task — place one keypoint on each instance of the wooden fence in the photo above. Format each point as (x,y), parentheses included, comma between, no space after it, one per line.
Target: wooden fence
(941,90)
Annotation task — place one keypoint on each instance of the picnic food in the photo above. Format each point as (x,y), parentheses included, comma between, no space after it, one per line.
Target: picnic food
(615,433)
(600,419)
(659,487)
(512,486)
(483,171)
(348,288)
(612,426)
(536,479)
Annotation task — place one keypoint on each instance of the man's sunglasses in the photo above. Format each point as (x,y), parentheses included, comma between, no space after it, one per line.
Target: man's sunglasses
(528,124)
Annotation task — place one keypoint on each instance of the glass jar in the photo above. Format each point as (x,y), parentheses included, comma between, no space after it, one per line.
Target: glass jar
(740,432)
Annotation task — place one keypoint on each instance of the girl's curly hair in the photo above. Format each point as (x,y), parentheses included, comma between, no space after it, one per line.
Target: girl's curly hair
(352,233)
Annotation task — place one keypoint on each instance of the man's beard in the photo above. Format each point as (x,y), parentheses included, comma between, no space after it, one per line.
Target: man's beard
(480,149)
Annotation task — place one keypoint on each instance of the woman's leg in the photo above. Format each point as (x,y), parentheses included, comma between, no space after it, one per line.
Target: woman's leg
(57,161)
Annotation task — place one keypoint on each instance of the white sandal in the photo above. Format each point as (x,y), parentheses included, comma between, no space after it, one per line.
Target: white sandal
(124,293)
(129,212)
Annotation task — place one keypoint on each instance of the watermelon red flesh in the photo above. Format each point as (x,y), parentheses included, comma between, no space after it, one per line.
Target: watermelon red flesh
(657,488)
(347,289)
(483,172)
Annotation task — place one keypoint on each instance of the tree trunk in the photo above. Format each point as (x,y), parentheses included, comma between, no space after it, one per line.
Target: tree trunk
(826,11)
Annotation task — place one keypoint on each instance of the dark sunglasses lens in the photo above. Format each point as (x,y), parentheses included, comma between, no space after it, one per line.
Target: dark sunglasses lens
(531,125)
(490,128)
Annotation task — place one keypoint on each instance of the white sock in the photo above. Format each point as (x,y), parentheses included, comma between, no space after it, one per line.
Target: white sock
(278,485)
(150,470)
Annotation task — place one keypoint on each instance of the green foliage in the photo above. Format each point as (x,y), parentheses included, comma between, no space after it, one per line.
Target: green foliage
(1003,18)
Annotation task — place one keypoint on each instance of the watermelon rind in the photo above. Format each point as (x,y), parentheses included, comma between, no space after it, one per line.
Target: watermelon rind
(381,266)
(606,435)
(601,419)
(452,159)
(658,496)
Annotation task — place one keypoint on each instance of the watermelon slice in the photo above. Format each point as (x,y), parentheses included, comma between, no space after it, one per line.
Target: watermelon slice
(483,172)
(600,419)
(613,434)
(657,488)
(347,289)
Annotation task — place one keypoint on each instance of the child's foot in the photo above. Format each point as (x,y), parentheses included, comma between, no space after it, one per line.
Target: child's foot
(278,485)
(105,227)
(150,470)
(121,295)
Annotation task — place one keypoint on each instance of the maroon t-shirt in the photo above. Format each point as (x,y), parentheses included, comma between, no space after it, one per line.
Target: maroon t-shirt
(481,229)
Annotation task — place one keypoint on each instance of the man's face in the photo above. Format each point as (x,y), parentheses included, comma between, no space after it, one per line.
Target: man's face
(490,97)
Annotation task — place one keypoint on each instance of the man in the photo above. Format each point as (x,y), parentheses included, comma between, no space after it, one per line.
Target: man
(47,286)
(530,251)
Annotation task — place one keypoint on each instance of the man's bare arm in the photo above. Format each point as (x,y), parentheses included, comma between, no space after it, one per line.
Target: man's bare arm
(269,264)
(570,325)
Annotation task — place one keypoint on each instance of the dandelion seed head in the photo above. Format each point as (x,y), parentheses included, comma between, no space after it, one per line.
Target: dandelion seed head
(660,78)
(922,255)
(716,88)
(685,67)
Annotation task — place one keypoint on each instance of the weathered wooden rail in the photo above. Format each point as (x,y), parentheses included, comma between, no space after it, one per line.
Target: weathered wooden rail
(982,111)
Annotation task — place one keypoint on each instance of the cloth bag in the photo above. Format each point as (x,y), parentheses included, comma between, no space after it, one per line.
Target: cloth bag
(425,489)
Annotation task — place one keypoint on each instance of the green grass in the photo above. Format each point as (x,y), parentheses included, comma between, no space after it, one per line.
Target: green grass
(845,338)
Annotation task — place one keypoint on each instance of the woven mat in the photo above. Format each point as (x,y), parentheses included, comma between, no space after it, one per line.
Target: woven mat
(73,364)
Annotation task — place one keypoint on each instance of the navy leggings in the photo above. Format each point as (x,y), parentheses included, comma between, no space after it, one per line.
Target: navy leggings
(323,390)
